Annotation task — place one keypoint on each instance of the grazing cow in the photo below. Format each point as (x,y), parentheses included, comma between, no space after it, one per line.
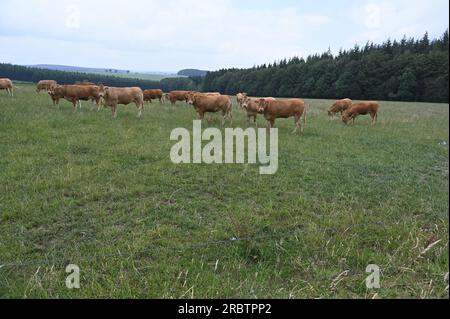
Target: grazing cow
(175,96)
(6,84)
(204,103)
(150,95)
(362,108)
(340,106)
(273,109)
(45,85)
(115,96)
(76,94)
(240,97)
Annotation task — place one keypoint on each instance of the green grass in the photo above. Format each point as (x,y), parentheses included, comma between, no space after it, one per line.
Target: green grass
(103,194)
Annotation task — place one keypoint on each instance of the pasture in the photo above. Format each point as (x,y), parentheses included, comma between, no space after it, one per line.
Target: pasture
(103,194)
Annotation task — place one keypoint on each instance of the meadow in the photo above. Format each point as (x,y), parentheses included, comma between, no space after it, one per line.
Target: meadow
(82,188)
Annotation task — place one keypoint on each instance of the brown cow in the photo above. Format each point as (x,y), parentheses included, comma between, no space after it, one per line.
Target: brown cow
(252,107)
(273,109)
(45,85)
(150,95)
(76,94)
(175,96)
(191,94)
(85,83)
(362,108)
(6,84)
(340,106)
(212,104)
(55,98)
(240,97)
(115,96)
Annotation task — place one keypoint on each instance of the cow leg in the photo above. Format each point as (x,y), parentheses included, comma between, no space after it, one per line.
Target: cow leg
(374,118)
(74,105)
(270,124)
(141,107)
(297,124)
(254,120)
(114,111)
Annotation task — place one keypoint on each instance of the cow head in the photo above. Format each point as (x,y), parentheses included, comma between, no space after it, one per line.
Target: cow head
(346,117)
(102,90)
(245,102)
(191,98)
(56,90)
(262,105)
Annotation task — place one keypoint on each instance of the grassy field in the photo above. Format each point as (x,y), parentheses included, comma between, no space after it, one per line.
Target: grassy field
(103,194)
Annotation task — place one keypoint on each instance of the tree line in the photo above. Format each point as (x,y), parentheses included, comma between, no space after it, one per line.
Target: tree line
(30,74)
(406,70)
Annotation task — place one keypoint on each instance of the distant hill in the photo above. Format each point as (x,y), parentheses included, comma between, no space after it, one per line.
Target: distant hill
(192,72)
(68,68)
(153,76)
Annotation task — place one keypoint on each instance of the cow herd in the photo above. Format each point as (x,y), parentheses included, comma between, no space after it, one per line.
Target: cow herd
(211,102)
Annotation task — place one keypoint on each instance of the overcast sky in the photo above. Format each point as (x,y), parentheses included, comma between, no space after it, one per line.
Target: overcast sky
(169,35)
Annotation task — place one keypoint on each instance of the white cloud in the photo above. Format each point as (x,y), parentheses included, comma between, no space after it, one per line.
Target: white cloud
(213,29)
(396,18)
(174,34)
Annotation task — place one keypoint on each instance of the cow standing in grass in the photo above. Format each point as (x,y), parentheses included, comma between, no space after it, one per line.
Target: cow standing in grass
(240,97)
(204,103)
(274,109)
(75,94)
(252,106)
(340,106)
(176,96)
(115,96)
(150,95)
(6,84)
(45,85)
(362,108)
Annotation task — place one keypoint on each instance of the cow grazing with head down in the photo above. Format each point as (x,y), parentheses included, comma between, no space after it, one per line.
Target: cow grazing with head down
(75,94)
(362,108)
(340,106)
(204,103)
(150,95)
(176,96)
(6,84)
(115,96)
(274,109)
(45,85)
